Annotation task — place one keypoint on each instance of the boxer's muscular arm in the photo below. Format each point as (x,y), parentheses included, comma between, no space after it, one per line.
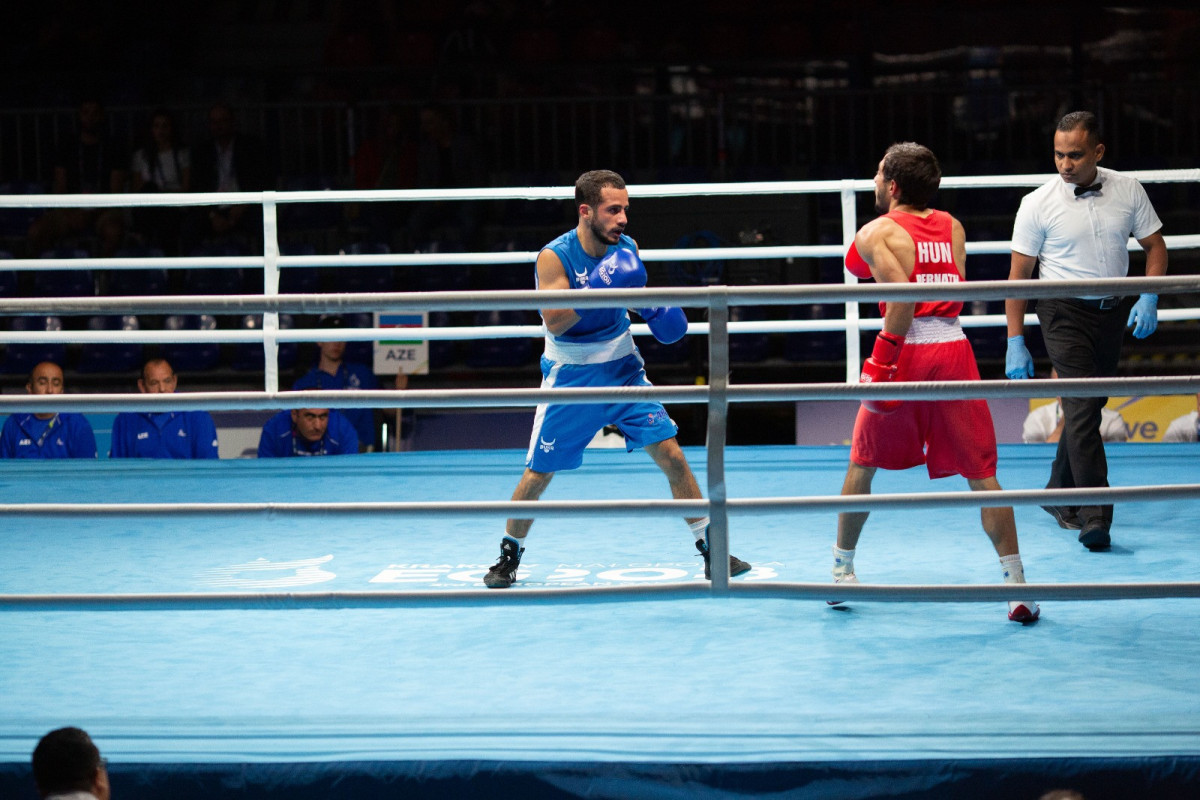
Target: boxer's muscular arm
(958,245)
(889,250)
(552,275)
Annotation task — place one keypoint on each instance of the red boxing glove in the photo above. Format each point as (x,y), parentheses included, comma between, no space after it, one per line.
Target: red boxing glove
(855,264)
(881,368)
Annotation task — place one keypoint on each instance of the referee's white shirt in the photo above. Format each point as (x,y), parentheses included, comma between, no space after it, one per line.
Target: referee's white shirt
(1079,238)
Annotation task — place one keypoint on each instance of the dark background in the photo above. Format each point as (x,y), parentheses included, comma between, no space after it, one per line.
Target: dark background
(662,92)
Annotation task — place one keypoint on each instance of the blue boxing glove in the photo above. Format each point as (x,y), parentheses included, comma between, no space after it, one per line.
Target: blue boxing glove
(1143,317)
(1018,363)
(620,269)
(667,323)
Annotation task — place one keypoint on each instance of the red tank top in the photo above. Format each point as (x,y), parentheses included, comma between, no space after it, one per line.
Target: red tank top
(933,238)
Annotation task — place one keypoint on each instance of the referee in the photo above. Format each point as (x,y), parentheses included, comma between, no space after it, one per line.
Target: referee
(1078,227)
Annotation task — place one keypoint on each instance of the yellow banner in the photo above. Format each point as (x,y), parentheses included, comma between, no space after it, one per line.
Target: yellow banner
(1146,418)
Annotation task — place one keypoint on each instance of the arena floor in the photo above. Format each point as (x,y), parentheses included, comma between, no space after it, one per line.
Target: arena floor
(693,697)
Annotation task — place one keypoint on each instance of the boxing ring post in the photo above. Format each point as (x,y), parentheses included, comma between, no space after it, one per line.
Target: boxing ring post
(718,405)
(849,229)
(270,319)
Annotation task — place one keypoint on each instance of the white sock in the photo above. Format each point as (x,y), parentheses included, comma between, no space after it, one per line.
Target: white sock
(843,562)
(699,527)
(1014,571)
(520,542)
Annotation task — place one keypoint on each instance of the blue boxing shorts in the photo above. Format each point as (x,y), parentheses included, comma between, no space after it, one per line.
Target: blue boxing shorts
(561,432)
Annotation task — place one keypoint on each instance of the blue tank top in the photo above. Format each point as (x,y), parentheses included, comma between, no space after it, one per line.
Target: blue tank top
(578,264)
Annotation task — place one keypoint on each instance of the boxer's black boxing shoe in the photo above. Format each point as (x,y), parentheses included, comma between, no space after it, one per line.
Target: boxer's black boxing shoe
(736,565)
(503,573)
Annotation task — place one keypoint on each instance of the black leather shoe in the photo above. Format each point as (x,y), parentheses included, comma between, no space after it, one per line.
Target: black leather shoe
(1067,519)
(1094,535)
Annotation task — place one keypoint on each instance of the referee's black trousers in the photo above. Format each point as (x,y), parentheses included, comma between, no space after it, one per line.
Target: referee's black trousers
(1082,342)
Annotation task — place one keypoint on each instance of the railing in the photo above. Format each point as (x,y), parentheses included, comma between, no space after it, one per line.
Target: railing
(726,133)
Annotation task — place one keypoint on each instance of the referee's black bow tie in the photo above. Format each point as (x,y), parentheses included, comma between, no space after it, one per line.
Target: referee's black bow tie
(1082,190)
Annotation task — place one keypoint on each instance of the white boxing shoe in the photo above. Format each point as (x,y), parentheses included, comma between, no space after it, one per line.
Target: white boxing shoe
(1023,612)
(849,577)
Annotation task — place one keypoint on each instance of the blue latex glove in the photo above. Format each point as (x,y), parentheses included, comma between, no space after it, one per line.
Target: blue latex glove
(1143,317)
(1018,363)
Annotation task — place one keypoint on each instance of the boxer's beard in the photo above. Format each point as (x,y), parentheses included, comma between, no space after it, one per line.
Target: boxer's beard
(603,235)
(881,202)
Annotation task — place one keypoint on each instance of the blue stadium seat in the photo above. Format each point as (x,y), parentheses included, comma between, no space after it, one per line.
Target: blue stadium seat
(308,216)
(362,352)
(299,280)
(15,222)
(21,358)
(249,357)
(64,282)
(748,348)
(507,352)
(442,352)
(8,278)
(191,356)
(814,345)
(366,279)
(136,282)
(215,280)
(111,357)
(697,273)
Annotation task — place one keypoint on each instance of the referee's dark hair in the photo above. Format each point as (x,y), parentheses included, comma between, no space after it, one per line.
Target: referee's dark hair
(1081,119)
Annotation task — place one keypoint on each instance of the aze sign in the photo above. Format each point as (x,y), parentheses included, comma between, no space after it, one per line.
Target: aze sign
(401,354)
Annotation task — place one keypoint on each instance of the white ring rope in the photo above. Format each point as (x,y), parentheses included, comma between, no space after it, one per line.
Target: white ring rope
(1174,242)
(714,298)
(211,601)
(489,398)
(525,299)
(563,509)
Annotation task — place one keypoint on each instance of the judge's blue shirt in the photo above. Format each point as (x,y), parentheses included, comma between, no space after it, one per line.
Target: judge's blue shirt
(350,375)
(280,440)
(170,434)
(62,436)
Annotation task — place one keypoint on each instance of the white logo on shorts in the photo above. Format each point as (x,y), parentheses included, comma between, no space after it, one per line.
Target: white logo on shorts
(545,446)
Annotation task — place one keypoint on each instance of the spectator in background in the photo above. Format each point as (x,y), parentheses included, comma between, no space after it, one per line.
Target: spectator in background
(1045,423)
(49,434)
(447,159)
(67,764)
(161,164)
(1185,428)
(307,432)
(162,434)
(386,161)
(230,161)
(88,162)
(334,372)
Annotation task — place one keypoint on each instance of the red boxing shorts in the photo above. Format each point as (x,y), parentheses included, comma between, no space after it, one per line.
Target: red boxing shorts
(950,437)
